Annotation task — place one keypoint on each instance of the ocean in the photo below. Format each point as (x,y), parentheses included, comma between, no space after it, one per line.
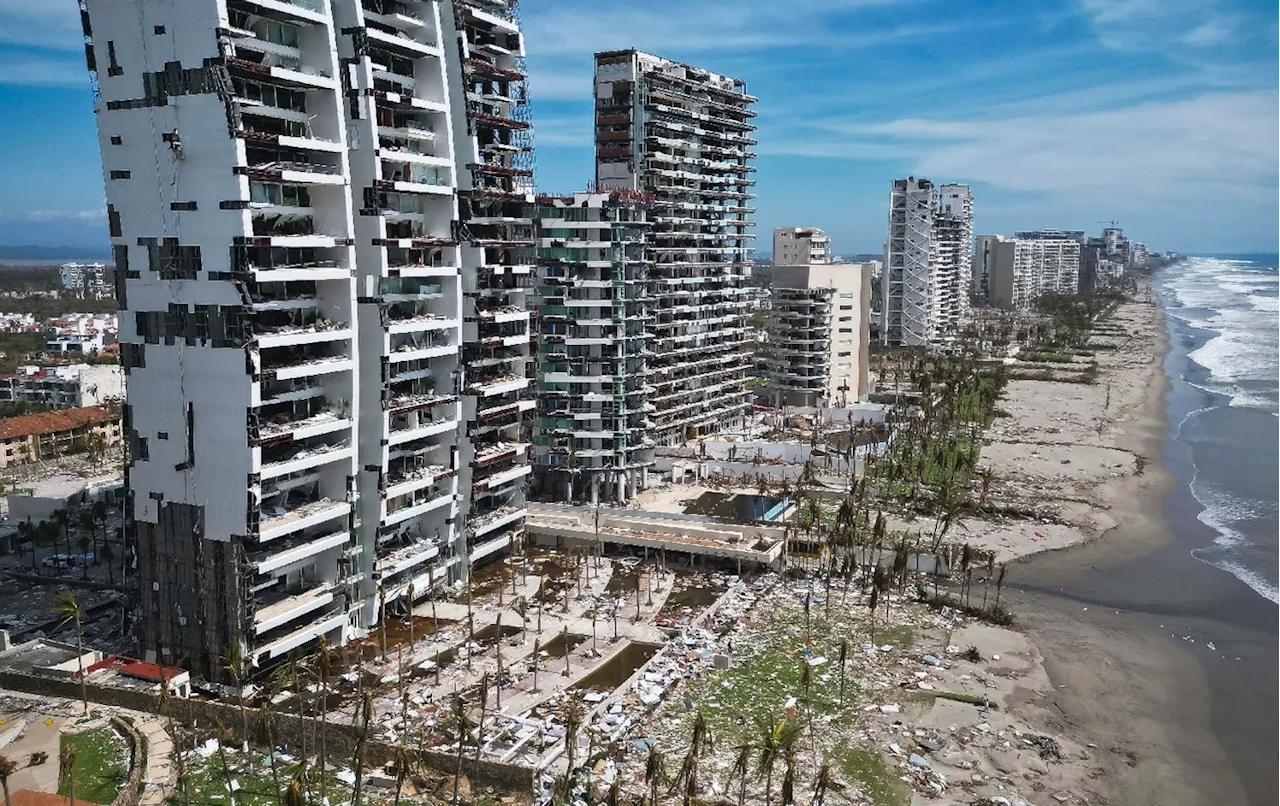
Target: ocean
(1224,363)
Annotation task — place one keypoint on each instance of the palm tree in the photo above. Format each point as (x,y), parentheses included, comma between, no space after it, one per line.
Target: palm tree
(67,769)
(227,777)
(89,524)
(27,533)
(564,639)
(741,767)
(789,778)
(402,761)
(82,543)
(821,784)
(234,668)
(382,619)
(362,738)
(7,767)
(108,556)
(267,736)
(296,793)
(537,649)
(61,519)
(1000,582)
(699,744)
(844,656)
(484,699)
(69,609)
(655,772)
(573,719)
(462,725)
(776,740)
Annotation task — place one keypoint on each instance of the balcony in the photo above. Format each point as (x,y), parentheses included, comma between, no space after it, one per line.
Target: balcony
(493,482)
(295,457)
(280,328)
(282,69)
(287,427)
(309,10)
(275,611)
(282,521)
(499,385)
(265,562)
(413,476)
(405,558)
(416,504)
(420,424)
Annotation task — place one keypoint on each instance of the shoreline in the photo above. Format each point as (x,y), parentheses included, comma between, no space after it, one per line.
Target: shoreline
(1116,621)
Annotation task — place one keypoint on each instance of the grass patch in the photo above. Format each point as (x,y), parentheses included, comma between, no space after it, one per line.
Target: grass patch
(207,781)
(102,764)
(995,614)
(1057,358)
(868,769)
(901,637)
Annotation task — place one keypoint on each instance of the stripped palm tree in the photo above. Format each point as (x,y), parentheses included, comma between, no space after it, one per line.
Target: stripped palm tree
(844,657)
(537,652)
(402,762)
(67,769)
(460,722)
(362,739)
(1004,569)
(789,778)
(655,772)
(295,794)
(267,736)
(740,770)
(821,784)
(484,700)
(7,767)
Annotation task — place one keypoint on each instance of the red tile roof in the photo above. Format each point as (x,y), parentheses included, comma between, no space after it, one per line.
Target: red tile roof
(140,669)
(29,797)
(51,422)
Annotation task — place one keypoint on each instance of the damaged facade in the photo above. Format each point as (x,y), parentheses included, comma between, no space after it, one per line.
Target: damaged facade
(683,134)
(296,193)
(594,409)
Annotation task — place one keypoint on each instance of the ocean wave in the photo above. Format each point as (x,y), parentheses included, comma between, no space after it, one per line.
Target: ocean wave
(1219,513)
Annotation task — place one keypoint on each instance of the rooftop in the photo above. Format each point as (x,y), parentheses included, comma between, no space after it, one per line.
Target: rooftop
(51,422)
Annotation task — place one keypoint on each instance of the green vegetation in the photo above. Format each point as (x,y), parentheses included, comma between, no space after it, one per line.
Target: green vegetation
(756,383)
(873,776)
(17,408)
(42,307)
(16,346)
(101,765)
(207,782)
(1062,358)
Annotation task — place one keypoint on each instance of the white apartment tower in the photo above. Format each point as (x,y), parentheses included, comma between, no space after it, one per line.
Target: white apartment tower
(683,134)
(800,246)
(296,191)
(1016,271)
(928,261)
(591,442)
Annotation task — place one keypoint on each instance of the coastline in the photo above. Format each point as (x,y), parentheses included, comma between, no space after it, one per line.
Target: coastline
(1120,613)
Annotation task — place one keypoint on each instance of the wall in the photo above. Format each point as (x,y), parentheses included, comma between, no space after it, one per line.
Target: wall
(341,739)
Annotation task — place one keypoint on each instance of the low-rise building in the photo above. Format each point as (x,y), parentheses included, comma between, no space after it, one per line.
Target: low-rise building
(795,246)
(52,434)
(819,334)
(62,387)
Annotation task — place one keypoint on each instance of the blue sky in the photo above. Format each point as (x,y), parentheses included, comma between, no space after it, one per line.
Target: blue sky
(1161,114)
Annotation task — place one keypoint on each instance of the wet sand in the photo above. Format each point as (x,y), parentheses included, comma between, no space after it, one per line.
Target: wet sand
(1124,623)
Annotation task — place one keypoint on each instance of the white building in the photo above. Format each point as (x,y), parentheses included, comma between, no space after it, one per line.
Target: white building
(1018,270)
(311,208)
(683,134)
(797,246)
(819,334)
(86,279)
(928,262)
(64,386)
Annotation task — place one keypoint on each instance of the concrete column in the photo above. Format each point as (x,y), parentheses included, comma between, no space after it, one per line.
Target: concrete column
(622,487)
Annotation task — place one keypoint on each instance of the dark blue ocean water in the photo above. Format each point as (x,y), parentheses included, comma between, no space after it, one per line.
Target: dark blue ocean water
(1223,323)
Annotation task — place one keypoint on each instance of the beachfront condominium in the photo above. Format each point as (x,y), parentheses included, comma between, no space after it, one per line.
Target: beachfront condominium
(927,276)
(1013,272)
(683,135)
(591,441)
(315,209)
(819,333)
(796,246)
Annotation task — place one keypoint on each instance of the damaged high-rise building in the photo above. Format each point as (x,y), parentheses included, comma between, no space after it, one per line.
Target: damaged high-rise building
(682,134)
(319,214)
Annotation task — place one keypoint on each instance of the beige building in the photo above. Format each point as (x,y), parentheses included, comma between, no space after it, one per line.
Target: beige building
(38,437)
(819,332)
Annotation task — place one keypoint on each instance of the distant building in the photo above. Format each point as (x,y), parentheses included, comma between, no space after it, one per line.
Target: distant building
(53,434)
(69,386)
(797,246)
(928,261)
(819,334)
(86,279)
(993,271)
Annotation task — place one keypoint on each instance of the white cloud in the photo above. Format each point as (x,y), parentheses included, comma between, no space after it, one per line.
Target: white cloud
(41,23)
(18,68)
(65,215)
(1185,154)
(1148,25)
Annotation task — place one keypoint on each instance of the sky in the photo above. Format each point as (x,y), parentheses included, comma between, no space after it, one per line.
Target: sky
(1158,114)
